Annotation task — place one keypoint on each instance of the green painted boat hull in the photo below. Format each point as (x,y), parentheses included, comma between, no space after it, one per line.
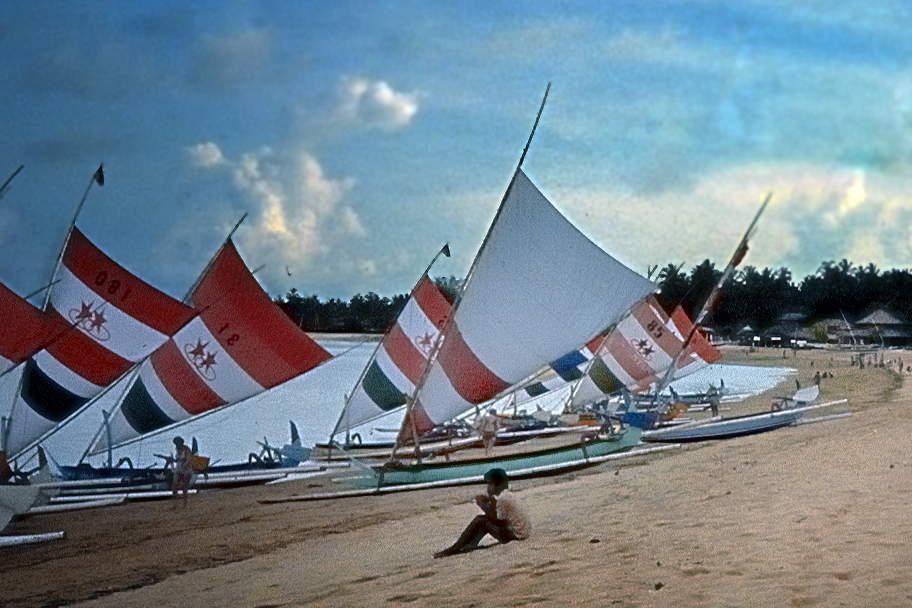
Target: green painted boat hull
(515,465)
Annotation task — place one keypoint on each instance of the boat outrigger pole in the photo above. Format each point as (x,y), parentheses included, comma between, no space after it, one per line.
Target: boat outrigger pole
(409,419)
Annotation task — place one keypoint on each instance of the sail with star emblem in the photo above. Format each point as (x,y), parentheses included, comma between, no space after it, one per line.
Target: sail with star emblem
(636,353)
(400,360)
(113,320)
(238,344)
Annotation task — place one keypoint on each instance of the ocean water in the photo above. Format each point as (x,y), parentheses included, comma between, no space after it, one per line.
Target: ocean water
(314,402)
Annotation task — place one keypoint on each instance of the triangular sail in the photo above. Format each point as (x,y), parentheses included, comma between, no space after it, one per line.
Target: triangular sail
(113,320)
(538,289)
(400,360)
(634,355)
(238,344)
(28,329)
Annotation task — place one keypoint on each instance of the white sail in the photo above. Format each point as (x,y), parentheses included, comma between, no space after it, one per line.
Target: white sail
(539,288)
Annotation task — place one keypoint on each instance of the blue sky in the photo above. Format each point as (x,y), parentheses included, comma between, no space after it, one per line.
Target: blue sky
(361,136)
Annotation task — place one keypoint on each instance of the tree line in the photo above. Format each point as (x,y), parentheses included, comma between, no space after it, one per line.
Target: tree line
(750,297)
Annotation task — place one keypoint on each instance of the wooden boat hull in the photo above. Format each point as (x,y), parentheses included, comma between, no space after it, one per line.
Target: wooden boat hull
(725,428)
(526,458)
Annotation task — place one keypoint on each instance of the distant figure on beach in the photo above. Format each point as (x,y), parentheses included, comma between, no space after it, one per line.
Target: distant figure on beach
(503,518)
(182,470)
(817,378)
(488,429)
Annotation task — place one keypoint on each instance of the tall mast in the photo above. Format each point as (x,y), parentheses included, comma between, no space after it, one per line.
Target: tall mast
(710,303)
(97,178)
(450,319)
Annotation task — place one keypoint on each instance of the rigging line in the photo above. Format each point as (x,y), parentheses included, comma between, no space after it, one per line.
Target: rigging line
(7,182)
(450,319)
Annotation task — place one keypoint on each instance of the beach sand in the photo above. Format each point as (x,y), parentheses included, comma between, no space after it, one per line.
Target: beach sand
(811,515)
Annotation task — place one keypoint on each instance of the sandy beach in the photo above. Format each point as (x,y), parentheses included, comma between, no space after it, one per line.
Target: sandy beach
(811,515)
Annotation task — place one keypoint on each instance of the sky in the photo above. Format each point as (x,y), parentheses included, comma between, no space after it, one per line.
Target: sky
(359,137)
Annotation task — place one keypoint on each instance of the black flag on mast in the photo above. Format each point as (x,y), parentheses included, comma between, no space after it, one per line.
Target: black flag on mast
(99,175)
(446,250)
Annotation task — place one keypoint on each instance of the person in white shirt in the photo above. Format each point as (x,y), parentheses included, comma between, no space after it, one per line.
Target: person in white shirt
(503,517)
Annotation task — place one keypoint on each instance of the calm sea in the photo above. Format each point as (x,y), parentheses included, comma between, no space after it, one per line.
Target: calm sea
(314,402)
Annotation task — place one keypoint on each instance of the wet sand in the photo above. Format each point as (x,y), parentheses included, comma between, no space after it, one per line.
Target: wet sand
(812,515)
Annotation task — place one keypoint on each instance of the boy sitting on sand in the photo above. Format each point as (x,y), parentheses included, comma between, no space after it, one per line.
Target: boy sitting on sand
(503,518)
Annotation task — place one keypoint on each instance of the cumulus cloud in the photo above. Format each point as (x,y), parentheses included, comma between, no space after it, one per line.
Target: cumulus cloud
(816,214)
(374,104)
(298,211)
(206,155)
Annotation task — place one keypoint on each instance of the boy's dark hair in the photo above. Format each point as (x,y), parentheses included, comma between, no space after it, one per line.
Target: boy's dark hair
(497,476)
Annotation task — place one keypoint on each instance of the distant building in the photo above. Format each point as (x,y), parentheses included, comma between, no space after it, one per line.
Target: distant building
(884,327)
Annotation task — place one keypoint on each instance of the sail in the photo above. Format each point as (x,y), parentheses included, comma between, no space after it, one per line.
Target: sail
(401,358)
(699,352)
(113,320)
(634,355)
(27,329)
(238,344)
(538,289)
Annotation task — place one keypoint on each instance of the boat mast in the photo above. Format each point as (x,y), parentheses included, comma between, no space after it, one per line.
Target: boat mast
(710,302)
(409,419)
(97,177)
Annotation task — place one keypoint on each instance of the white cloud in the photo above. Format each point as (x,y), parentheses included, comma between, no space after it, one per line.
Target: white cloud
(375,104)
(206,155)
(816,214)
(298,211)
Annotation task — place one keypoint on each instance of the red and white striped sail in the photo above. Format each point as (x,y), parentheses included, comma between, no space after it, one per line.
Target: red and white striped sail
(699,352)
(239,344)
(401,358)
(113,320)
(635,355)
(539,288)
(27,329)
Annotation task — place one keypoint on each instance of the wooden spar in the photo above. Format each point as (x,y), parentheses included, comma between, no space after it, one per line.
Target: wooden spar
(7,182)
(12,541)
(443,250)
(740,250)
(449,322)
(534,126)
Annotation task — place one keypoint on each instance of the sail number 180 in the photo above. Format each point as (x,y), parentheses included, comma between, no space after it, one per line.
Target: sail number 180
(113,286)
